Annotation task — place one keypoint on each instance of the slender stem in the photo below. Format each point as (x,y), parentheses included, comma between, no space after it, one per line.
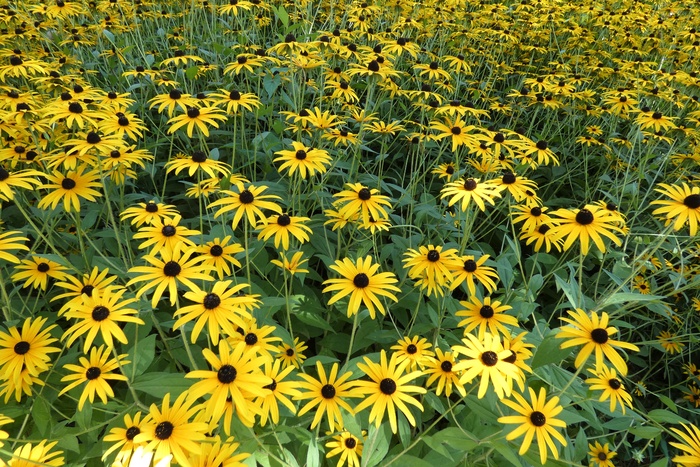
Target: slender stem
(352,338)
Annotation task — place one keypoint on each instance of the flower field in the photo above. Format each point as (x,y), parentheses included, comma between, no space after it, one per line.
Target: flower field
(382,233)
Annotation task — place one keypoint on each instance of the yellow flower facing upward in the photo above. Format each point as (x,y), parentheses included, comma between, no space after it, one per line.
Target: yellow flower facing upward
(536,420)
(442,370)
(389,390)
(607,381)
(486,314)
(363,283)
(246,201)
(690,445)
(123,438)
(37,271)
(594,333)
(70,188)
(470,190)
(600,455)
(348,446)
(415,350)
(359,199)
(281,226)
(166,234)
(303,159)
(95,372)
(196,117)
(585,225)
(28,455)
(26,350)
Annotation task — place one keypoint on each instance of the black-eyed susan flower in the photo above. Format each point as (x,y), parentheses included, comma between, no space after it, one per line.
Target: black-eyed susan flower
(322,119)
(75,288)
(292,355)
(446,170)
(535,420)
(389,390)
(470,190)
(692,395)
(601,455)
(9,241)
(488,359)
(682,208)
(441,370)
(292,265)
(606,380)
(654,120)
(196,117)
(690,445)
(257,338)
(543,235)
(327,394)
(531,216)
(95,372)
(359,199)
(146,213)
(348,446)
(143,457)
(279,390)
(100,313)
(234,100)
(519,353)
(169,430)
(166,234)
(220,307)
(172,100)
(26,350)
(539,152)
(19,179)
(432,266)
(670,342)
(219,254)
(416,350)
(457,130)
(585,225)
(122,123)
(220,454)
(471,271)
(594,333)
(167,273)
(3,434)
(37,271)
(69,188)
(363,283)
(303,159)
(246,201)
(198,161)
(235,372)
(92,142)
(39,454)
(486,314)
(515,185)
(282,226)
(123,438)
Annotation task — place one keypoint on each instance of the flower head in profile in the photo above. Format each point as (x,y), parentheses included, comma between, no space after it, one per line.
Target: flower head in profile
(292,265)
(279,390)
(363,283)
(536,420)
(594,333)
(683,207)
(95,371)
(389,390)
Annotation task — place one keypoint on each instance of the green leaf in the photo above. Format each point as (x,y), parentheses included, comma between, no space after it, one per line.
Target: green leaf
(69,442)
(508,452)
(645,432)
(580,445)
(282,15)
(549,352)
(456,438)
(141,355)
(41,416)
(663,462)
(668,403)
(313,459)
(350,424)
(314,320)
(192,71)
(626,297)
(410,461)
(436,446)
(570,289)
(158,384)
(665,416)
(377,445)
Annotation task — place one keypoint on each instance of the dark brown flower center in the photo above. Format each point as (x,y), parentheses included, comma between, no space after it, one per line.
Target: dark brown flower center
(541,145)
(433,255)
(300,154)
(361,280)
(22,347)
(470,184)
(510,358)
(93,138)
(193,112)
(246,197)
(43,267)
(470,265)
(151,207)
(599,336)
(216,250)
(350,443)
(536,211)
(543,229)
(373,66)
(164,430)
(499,138)
(328,391)
(692,201)
(584,217)
(4,174)
(446,366)
(211,301)
(283,220)
(537,418)
(411,349)
(364,194)
(123,121)
(68,184)
(172,269)
(508,178)
(455,130)
(93,373)
(657,115)
(387,386)
(272,386)
(251,338)
(168,231)
(486,312)
(75,108)
(175,94)
(489,358)
(226,374)
(199,157)
(100,313)
(602,456)
(614,383)
(131,432)
(290,352)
